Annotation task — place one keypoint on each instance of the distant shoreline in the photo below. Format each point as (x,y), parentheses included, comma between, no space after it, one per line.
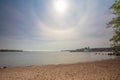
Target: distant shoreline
(6,50)
(91,50)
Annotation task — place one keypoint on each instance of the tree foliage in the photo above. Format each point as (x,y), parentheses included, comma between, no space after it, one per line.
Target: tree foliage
(115,24)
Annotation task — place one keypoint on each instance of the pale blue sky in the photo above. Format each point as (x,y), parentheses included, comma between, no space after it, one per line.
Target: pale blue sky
(36,25)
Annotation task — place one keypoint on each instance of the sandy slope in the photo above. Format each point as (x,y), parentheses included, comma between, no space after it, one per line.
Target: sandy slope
(99,70)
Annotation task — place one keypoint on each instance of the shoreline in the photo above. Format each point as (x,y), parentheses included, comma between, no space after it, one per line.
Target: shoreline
(96,70)
(4,67)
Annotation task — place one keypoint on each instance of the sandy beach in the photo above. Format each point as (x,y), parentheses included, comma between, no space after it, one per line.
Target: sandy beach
(99,70)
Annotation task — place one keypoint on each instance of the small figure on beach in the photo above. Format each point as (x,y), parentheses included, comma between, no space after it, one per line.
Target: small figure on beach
(4,67)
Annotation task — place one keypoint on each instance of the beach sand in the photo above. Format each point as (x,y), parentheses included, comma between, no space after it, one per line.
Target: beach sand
(99,70)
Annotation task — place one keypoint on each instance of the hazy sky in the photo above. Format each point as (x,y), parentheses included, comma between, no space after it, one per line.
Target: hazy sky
(54,24)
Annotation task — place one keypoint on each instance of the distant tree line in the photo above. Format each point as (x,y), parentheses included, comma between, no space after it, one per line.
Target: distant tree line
(91,50)
(7,50)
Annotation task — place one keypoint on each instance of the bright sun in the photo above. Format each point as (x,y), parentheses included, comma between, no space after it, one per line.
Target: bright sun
(60,6)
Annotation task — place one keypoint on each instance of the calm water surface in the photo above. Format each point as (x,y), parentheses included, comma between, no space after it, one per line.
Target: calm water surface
(44,58)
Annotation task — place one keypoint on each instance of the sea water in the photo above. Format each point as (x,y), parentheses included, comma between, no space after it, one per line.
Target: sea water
(29,58)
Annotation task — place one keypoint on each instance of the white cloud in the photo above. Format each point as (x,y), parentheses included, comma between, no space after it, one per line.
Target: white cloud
(83,25)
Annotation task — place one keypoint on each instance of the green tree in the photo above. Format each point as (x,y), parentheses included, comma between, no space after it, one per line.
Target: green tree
(115,24)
